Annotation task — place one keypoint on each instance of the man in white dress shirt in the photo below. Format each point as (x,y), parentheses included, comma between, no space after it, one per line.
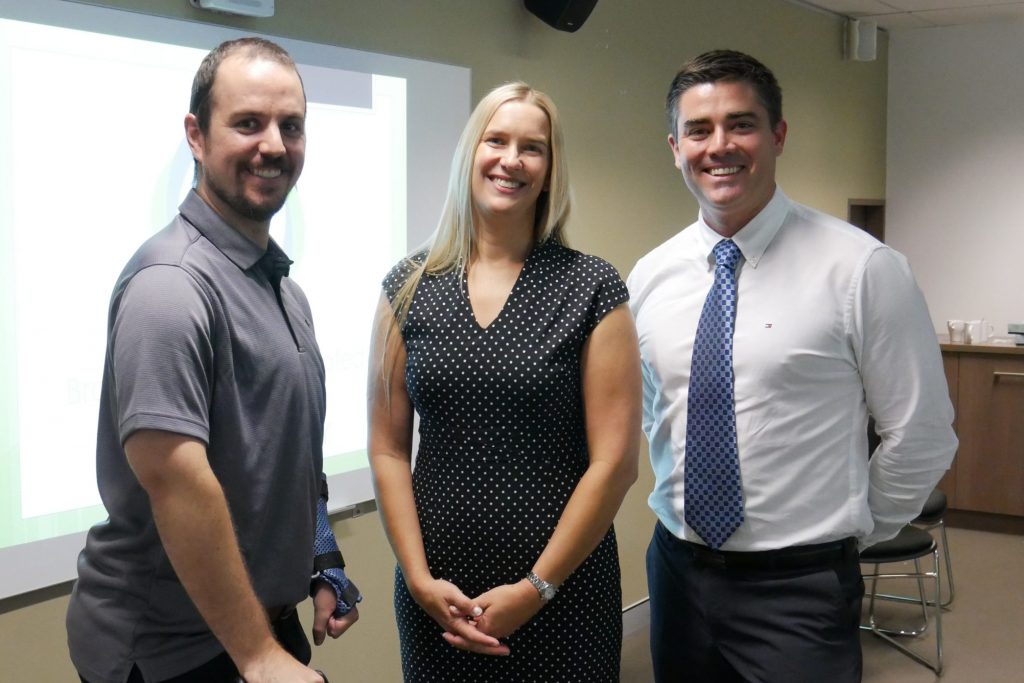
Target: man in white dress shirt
(829,328)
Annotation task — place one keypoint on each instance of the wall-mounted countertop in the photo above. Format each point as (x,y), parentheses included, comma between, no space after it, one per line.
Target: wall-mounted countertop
(1005,347)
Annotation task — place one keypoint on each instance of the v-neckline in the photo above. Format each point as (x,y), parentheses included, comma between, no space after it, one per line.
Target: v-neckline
(464,287)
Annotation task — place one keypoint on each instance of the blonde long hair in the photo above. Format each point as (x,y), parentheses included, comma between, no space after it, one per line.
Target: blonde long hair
(452,243)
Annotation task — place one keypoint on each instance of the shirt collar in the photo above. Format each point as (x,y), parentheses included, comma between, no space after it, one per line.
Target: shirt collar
(754,237)
(239,249)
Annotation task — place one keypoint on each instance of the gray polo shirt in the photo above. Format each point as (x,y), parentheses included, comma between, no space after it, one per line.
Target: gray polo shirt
(199,344)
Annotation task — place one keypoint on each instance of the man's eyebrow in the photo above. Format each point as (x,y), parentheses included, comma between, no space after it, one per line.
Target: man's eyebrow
(742,115)
(261,114)
(731,116)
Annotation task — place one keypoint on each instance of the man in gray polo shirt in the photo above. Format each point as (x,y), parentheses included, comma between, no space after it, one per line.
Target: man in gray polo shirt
(209,454)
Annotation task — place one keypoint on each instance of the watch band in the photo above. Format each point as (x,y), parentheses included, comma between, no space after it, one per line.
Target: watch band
(546,590)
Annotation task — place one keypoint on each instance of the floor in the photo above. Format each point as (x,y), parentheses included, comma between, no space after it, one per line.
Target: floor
(983,631)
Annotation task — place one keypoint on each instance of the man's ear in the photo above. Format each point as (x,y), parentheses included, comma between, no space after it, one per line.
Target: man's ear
(675,150)
(195,137)
(779,136)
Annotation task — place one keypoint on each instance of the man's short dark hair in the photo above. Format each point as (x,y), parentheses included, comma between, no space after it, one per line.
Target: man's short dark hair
(202,84)
(725,65)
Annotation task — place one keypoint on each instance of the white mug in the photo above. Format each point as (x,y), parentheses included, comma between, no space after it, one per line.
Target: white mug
(956,331)
(978,331)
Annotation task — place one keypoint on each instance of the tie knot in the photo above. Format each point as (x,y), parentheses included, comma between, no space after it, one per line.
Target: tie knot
(727,254)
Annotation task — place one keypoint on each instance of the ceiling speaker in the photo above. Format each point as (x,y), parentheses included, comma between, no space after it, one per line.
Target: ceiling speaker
(565,15)
(247,8)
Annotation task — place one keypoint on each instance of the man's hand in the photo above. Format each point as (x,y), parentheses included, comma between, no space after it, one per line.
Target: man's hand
(279,667)
(457,615)
(507,608)
(324,622)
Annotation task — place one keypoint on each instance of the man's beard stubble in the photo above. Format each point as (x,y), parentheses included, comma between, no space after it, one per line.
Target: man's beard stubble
(241,205)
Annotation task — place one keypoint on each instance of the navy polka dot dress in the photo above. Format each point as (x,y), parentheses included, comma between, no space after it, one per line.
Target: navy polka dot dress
(502,446)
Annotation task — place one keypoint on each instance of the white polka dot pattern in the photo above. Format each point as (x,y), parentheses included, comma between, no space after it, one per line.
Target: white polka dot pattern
(502,446)
(713,493)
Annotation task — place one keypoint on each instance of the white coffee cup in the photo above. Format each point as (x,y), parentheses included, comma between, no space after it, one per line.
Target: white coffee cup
(978,331)
(956,331)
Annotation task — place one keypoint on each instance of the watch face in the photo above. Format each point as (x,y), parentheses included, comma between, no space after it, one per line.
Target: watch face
(546,590)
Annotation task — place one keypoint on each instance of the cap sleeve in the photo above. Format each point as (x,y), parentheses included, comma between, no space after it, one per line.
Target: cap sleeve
(401,272)
(608,290)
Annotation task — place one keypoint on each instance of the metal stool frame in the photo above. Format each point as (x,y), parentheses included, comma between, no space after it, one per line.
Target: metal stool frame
(887,634)
(928,523)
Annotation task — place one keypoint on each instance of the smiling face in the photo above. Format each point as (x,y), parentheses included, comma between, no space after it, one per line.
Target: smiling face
(253,152)
(510,168)
(726,149)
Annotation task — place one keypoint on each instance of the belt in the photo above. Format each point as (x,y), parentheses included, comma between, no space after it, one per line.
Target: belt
(819,555)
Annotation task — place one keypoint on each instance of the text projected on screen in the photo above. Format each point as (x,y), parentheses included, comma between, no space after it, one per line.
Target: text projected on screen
(93,160)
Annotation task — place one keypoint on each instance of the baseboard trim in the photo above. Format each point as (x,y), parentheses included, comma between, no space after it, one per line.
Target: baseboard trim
(636,617)
(985,521)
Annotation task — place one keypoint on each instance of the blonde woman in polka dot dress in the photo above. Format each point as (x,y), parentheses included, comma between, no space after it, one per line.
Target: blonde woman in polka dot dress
(520,357)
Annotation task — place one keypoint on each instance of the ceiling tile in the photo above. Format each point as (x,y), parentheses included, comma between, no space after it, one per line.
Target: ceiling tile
(974,15)
(899,20)
(900,14)
(929,5)
(852,7)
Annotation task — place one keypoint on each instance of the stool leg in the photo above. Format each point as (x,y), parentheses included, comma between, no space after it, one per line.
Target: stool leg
(872,625)
(949,564)
(938,607)
(924,596)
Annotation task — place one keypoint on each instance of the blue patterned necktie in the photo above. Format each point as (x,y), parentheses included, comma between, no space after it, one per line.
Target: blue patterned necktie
(713,492)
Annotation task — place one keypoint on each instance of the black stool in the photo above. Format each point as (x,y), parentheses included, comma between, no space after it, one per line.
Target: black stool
(911,544)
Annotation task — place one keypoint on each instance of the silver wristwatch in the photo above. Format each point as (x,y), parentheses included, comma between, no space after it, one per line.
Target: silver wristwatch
(546,590)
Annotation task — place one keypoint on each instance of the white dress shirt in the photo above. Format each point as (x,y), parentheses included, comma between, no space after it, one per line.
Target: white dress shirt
(830,326)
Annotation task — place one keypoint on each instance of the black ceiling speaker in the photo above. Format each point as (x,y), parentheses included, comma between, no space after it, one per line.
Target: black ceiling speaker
(565,15)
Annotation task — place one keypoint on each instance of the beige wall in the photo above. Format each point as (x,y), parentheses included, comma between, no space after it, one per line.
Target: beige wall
(609,81)
(955,184)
